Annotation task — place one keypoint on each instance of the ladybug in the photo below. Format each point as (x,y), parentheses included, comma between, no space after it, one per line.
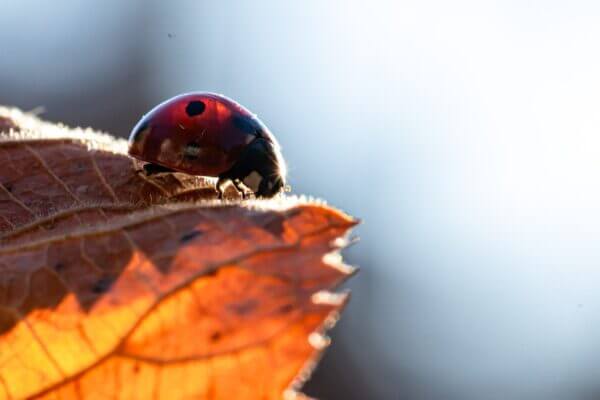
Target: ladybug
(209,134)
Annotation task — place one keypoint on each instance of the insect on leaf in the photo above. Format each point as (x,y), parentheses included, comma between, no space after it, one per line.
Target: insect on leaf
(118,285)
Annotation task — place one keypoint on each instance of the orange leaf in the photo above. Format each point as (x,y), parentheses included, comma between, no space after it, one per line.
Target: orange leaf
(117,285)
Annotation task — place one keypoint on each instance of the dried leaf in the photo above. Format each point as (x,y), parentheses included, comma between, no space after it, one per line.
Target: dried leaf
(116,285)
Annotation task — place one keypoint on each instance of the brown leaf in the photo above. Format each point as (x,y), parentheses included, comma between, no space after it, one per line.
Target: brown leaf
(116,285)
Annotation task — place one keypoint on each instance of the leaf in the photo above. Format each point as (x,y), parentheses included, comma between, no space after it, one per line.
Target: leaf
(117,285)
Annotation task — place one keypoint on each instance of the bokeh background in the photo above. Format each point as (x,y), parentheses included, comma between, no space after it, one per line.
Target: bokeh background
(465,134)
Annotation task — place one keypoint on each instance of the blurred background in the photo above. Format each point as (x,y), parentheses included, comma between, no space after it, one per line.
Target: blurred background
(465,134)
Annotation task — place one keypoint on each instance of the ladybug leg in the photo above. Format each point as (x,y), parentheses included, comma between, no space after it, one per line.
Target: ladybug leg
(240,188)
(219,187)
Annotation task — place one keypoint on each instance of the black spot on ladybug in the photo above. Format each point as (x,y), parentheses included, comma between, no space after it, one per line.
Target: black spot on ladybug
(8,187)
(190,235)
(195,108)
(245,124)
(216,335)
(102,285)
(59,266)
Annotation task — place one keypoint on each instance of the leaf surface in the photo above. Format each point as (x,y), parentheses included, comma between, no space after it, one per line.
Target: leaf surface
(118,285)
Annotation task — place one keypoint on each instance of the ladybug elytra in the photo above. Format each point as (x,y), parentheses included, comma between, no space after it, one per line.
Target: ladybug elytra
(211,135)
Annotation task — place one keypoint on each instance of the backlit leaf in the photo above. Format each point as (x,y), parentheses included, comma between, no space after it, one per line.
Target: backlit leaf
(115,285)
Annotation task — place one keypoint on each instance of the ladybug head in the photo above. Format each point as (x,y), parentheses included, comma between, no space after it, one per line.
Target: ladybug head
(261,168)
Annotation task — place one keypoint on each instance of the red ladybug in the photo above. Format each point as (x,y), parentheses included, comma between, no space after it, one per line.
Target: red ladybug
(211,135)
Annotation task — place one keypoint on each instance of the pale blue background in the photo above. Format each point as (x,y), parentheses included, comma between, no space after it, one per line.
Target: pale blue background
(465,134)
